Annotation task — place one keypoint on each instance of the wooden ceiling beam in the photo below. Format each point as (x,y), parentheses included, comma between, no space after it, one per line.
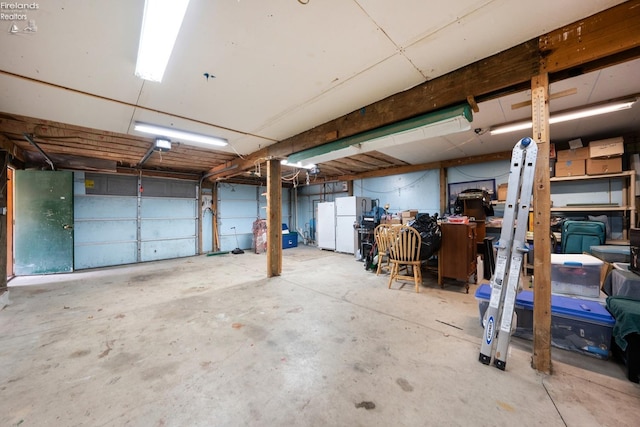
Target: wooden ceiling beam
(607,33)
(10,147)
(603,38)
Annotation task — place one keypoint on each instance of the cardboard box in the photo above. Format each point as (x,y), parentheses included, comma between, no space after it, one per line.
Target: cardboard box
(391,221)
(502,191)
(474,208)
(604,166)
(606,148)
(406,220)
(577,154)
(570,167)
(410,213)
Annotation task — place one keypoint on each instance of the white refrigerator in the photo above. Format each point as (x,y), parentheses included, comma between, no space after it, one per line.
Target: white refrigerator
(349,211)
(326,226)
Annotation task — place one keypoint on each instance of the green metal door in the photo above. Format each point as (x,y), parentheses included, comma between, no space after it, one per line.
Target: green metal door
(43,222)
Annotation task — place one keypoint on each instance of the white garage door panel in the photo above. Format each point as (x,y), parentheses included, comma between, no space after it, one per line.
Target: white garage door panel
(159,229)
(100,255)
(168,225)
(104,207)
(167,207)
(105,231)
(164,249)
(105,225)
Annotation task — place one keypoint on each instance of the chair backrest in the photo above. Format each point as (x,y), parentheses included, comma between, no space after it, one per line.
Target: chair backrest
(383,234)
(406,243)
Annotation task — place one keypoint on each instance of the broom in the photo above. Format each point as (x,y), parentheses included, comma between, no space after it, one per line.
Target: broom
(237,250)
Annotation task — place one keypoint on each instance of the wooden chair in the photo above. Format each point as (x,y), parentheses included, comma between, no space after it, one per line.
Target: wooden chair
(383,234)
(404,252)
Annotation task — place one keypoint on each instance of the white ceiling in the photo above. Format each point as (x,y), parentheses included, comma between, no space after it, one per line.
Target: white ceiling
(280,67)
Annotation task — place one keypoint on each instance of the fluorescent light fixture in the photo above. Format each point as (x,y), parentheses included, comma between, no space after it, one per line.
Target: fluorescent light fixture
(511,128)
(567,116)
(431,125)
(298,164)
(160,26)
(179,135)
(162,144)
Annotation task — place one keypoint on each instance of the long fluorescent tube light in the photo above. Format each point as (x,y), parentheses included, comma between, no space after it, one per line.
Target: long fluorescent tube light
(179,135)
(431,125)
(298,164)
(160,26)
(567,116)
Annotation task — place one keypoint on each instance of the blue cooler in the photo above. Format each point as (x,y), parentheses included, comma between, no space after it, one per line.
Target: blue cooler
(289,238)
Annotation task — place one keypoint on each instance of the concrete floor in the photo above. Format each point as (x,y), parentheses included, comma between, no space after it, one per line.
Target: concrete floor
(210,341)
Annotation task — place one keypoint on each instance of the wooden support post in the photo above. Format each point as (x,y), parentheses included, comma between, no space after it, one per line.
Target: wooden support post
(274,218)
(214,209)
(215,244)
(541,360)
(3,224)
(200,217)
(444,202)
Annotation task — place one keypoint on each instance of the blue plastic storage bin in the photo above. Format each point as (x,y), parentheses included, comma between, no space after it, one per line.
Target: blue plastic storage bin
(289,240)
(579,325)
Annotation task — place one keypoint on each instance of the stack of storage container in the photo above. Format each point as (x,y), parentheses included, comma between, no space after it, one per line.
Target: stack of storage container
(579,321)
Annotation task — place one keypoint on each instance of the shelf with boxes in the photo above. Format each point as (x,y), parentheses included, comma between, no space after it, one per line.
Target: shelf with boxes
(607,197)
(589,183)
(599,157)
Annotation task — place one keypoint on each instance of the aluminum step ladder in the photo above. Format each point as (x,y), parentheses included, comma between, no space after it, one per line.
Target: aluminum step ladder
(505,282)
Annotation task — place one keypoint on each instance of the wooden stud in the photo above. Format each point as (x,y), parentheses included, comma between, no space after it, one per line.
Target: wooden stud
(3,223)
(443,191)
(541,360)
(274,218)
(556,95)
(214,209)
(473,104)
